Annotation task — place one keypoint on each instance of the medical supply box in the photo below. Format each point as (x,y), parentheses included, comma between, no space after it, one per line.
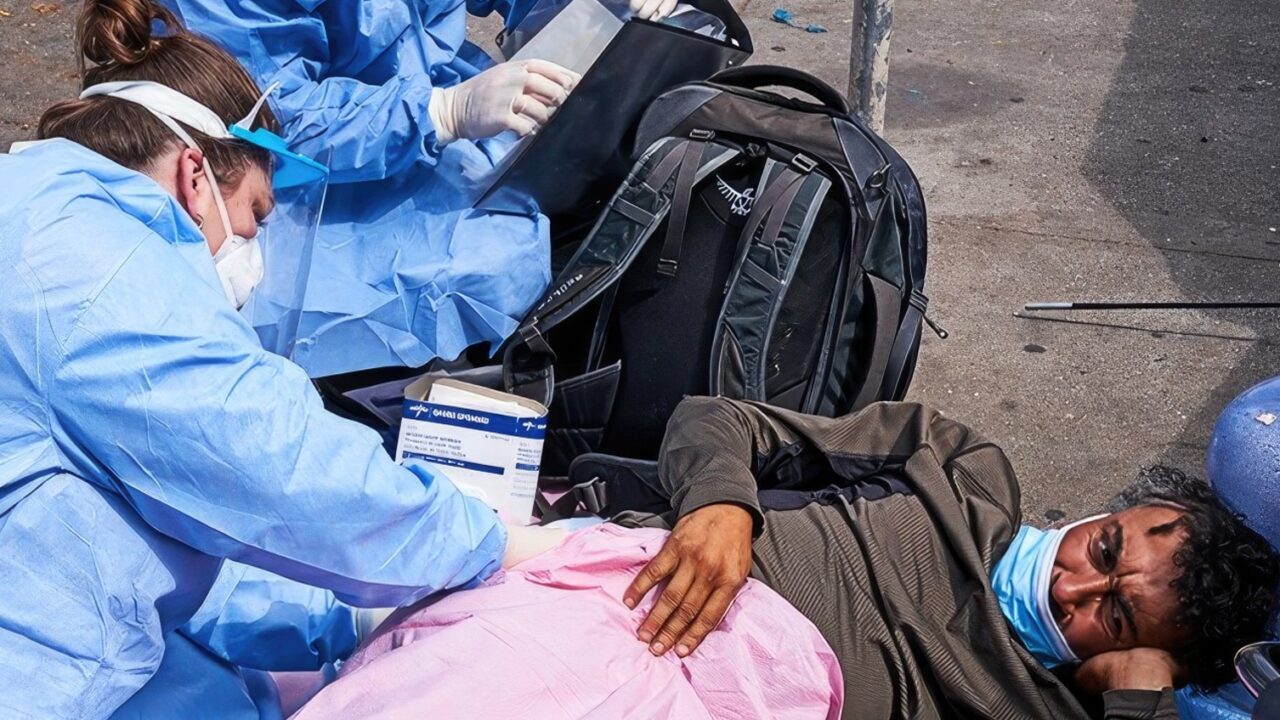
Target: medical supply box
(489,443)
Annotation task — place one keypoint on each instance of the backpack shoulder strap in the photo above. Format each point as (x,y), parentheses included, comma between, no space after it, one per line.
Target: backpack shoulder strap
(632,216)
(770,245)
(693,169)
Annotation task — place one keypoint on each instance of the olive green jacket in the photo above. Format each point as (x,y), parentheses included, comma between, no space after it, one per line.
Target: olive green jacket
(897,585)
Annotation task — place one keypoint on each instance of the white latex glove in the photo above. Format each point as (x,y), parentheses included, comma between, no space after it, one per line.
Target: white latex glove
(519,96)
(368,620)
(527,541)
(653,10)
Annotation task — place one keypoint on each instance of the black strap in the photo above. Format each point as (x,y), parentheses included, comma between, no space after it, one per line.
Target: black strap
(908,335)
(665,168)
(592,496)
(888,304)
(760,211)
(690,161)
(532,378)
(787,183)
(778,213)
(534,340)
(632,212)
(601,331)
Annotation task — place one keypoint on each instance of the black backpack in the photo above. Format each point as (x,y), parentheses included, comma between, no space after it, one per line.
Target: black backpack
(762,247)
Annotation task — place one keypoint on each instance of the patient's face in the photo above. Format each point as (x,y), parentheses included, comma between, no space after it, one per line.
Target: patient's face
(1111,582)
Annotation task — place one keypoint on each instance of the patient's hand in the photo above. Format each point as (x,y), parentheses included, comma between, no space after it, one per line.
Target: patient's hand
(1136,669)
(705,562)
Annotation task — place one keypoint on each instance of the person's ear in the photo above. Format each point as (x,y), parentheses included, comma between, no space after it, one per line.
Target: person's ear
(193,185)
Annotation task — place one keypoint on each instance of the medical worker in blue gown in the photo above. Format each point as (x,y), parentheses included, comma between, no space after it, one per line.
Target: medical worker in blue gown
(146,438)
(406,271)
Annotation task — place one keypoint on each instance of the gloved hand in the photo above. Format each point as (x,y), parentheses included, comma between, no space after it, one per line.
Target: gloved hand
(528,541)
(519,96)
(653,10)
(368,620)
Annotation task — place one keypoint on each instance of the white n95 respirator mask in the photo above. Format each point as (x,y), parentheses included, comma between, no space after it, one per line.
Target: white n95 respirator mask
(239,266)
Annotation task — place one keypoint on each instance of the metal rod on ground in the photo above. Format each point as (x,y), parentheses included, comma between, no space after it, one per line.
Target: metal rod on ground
(1148,305)
(869,60)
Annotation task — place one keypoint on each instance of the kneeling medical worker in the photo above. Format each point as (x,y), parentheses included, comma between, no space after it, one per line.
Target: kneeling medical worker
(146,435)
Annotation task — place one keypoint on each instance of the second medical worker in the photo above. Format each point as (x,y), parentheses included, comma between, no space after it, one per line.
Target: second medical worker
(405,269)
(146,436)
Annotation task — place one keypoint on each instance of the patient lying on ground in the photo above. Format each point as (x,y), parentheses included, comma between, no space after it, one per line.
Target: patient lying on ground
(889,571)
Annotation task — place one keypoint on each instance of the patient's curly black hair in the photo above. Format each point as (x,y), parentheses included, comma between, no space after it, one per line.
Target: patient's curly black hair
(1229,577)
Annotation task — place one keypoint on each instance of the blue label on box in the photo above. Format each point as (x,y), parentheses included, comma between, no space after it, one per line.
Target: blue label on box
(454,462)
(531,427)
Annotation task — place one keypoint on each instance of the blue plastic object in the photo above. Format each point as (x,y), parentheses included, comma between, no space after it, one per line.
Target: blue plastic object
(784,16)
(1244,469)
(291,169)
(1244,457)
(146,435)
(1232,702)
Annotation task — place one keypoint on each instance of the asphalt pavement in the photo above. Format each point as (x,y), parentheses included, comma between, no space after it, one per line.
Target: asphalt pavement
(1077,150)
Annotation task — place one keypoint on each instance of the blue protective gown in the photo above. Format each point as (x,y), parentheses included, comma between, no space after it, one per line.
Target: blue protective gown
(145,436)
(405,270)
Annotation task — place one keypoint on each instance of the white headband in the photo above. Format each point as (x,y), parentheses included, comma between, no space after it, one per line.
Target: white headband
(170,106)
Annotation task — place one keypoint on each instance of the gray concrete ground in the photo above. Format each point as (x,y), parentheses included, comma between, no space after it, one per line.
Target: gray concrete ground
(1084,149)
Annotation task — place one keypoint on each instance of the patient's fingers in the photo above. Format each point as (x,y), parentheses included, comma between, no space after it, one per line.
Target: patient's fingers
(662,565)
(682,617)
(677,587)
(708,619)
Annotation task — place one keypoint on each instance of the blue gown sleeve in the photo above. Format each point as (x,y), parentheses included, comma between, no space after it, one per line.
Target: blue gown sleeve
(374,130)
(513,11)
(252,618)
(166,396)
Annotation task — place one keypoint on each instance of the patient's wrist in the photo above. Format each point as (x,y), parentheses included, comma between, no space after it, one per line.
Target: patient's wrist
(1143,676)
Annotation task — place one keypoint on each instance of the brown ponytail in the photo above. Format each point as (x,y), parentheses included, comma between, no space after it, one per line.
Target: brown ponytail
(118,41)
(119,32)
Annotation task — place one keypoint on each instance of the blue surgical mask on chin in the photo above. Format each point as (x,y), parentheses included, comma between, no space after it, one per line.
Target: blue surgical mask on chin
(1021,581)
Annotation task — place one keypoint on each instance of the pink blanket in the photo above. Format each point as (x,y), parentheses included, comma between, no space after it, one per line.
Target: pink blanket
(552,639)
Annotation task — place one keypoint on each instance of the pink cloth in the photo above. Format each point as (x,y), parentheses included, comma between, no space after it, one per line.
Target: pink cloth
(552,639)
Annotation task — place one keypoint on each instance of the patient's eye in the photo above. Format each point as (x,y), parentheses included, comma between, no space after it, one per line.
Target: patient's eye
(1117,619)
(1107,554)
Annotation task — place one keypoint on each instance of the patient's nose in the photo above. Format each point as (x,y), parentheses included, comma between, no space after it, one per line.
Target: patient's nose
(1072,589)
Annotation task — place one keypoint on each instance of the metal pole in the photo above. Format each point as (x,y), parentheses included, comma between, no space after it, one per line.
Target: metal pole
(869,60)
(1148,305)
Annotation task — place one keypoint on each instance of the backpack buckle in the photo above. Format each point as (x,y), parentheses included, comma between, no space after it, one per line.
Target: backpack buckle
(702,134)
(667,267)
(918,300)
(880,178)
(592,495)
(533,338)
(804,163)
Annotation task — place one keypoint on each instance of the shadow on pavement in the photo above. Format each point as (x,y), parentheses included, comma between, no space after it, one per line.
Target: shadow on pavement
(1186,148)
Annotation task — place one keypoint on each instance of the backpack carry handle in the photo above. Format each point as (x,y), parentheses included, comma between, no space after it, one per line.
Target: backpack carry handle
(754,77)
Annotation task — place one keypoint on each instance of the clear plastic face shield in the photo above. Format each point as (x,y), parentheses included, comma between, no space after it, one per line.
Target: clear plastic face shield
(272,268)
(577,31)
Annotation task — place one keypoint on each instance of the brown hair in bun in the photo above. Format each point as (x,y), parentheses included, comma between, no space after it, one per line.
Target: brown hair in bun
(141,40)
